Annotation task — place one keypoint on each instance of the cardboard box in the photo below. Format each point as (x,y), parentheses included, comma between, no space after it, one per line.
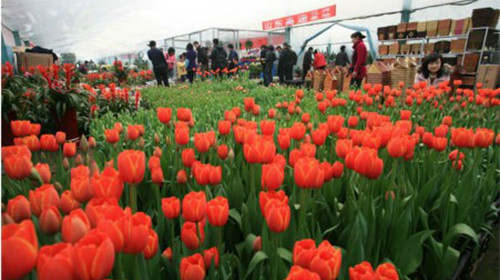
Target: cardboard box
(404,49)
(382,33)
(33,59)
(444,27)
(460,26)
(431,28)
(429,48)
(457,45)
(489,75)
(383,49)
(421,29)
(411,29)
(391,32)
(442,47)
(485,17)
(394,48)
(471,62)
(415,48)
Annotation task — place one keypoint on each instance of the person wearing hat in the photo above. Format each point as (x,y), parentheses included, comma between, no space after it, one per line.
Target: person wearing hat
(159,64)
(359,56)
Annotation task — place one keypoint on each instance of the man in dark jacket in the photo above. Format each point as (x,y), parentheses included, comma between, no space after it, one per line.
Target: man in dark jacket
(268,68)
(288,58)
(341,59)
(232,60)
(159,64)
(202,57)
(219,58)
(307,61)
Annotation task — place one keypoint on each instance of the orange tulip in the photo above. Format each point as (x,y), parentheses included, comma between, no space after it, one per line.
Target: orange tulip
(191,236)
(133,132)
(386,271)
(167,254)
(462,137)
(184,114)
(98,207)
(68,203)
(192,268)
(17,167)
(112,135)
(188,157)
(260,151)
(94,256)
(367,163)
(35,129)
(201,142)
(335,123)
(224,127)
(42,198)
(60,137)
(273,176)
(49,143)
(131,165)
(152,246)
(75,226)
(297,131)
(108,184)
(342,147)
(20,128)
(171,207)
(439,143)
(19,208)
(218,211)
(361,271)
(267,127)
(56,262)
(299,273)
(483,137)
(19,250)
(277,216)
(136,231)
(194,206)
(80,183)
(303,251)
(112,222)
(69,149)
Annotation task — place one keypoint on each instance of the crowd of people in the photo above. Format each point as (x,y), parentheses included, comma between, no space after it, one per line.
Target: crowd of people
(196,59)
(219,62)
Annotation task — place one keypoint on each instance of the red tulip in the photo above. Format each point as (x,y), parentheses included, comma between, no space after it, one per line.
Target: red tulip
(69,149)
(224,127)
(184,114)
(335,123)
(20,128)
(133,132)
(112,135)
(483,137)
(136,231)
(68,203)
(405,114)
(284,141)
(19,208)
(192,236)
(192,268)
(260,151)
(152,247)
(42,198)
(308,173)
(397,147)
(462,137)
(303,251)
(181,177)
(362,271)
(171,207)
(222,151)
(319,136)
(299,273)
(342,147)
(35,129)
(298,131)
(43,170)
(326,262)
(181,135)
(50,220)
(211,256)
(267,127)
(80,183)
(19,250)
(94,256)
(56,262)
(48,143)
(386,271)
(273,176)
(218,211)
(17,166)
(188,157)
(353,121)
(439,143)
(167,254)
(60,137)
(164,115)
(75,226)
(194,206)
(108,184)
(131,165)
(277,215)
(368,163)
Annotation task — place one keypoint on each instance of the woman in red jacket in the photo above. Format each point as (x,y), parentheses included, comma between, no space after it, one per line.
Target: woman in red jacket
(358,66)
(319,60)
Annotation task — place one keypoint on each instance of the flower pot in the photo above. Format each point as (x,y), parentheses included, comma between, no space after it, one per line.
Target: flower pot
(7,135)
(69,124)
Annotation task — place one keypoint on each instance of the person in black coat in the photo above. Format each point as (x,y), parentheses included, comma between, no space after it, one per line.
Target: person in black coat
(202,57)
(288,58)
(232,59)
(341,59)
(159,64)
(219,58)
(306,63)
(268,68)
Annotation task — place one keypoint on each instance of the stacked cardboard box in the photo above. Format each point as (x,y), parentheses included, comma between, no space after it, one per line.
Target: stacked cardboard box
(486,17)
(404,49)
(460,26)
(442,47)
(400,72)
(382,33)
(411,29)
(457,45)
(471,62)
(378,73)
(429,48)
(401,30)
(444,27)
(394,48)
(415,48)
(421,29)
(432,28)
(383,49)
(391,32)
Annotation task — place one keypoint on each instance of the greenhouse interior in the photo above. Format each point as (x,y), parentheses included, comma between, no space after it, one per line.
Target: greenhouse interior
(254,140)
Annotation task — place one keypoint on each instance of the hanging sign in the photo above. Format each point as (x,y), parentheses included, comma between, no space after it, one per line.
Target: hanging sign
(319,14)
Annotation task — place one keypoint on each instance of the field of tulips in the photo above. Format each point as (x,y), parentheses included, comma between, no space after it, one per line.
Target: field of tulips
(231,180)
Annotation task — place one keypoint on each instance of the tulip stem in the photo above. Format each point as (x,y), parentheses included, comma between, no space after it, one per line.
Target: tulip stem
(198,234)
(117,268)
(172,232)
(133,197)
(303,210)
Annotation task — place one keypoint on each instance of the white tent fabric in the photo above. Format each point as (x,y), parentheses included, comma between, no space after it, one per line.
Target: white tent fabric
(97,28)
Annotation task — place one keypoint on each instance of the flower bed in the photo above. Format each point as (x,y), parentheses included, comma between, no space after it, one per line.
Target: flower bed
(232,180)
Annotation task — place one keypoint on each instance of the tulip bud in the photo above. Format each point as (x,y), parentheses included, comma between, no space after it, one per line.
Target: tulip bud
(257,244)
(230,155)
(167,254)
(92,142)
(66,163)
(157,139)
(50,220)
(168,141)
(84,144)
(78,160)
(58,186)
(141,143)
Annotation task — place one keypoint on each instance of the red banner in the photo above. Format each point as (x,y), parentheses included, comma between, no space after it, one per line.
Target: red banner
(319,14)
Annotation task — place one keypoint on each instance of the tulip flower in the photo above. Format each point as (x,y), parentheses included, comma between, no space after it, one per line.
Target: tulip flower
(42,198)
(49,143)
(167,254)
(386,271)
(50,220)
(56,262)
(152,246)
(69,149)
(218,211)
(303,251)
(68,203)
(462,137)
(299,273)
(273,176)
(94,256)
(136,231)
(194,206)
(192,235)
(60,137)
(131,165)
(277,216)
(326,262)
(108,184)
(17,167)
(112,135)
(308,173)
(80,183)
(19,208)
(211,256)
(19,250)
(171,207)
(192,268)
(164,115)
(43,170)
(20,128)
(224,127)
(75,226)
